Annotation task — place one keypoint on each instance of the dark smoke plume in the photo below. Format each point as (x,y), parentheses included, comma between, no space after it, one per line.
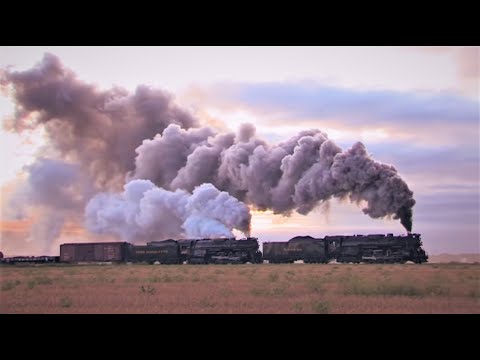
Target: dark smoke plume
(98,140)
(405,215)
(298,174)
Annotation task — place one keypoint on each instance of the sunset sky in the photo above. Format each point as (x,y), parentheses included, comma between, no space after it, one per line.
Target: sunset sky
(416,108)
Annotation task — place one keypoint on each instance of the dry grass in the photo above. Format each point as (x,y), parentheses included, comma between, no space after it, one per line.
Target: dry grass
(266,288)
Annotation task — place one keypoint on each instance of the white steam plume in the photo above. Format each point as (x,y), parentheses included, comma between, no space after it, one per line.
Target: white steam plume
(144,212)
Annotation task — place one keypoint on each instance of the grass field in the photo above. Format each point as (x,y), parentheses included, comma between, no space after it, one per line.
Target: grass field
(245,289)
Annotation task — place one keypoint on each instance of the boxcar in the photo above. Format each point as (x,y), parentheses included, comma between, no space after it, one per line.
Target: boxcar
(94,252)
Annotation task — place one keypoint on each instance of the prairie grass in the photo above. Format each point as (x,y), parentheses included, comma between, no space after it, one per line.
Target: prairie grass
(43,280)
(314,283)
(207,302)
(320,307)
(364,287)
(147,289)
(262,288)
(65,302)
(272,277)
(9,285)
(297,307)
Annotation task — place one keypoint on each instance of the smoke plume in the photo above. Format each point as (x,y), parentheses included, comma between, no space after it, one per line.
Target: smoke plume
(144,212)
(181,179)
(298,174)
(97,129)
(91,134)
(53,192)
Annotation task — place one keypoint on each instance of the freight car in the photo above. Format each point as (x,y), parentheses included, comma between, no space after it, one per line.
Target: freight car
(94,252)
(30,260)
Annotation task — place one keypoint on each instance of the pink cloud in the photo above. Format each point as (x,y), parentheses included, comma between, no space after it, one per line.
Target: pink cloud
(468,62)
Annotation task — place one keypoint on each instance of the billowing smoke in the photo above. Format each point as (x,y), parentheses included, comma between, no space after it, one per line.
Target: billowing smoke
(98,140)
(144,212)
(52,192)
(97,129)
(91,134)
(298,174)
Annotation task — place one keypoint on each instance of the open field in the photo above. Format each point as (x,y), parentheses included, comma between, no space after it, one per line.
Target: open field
(266,288)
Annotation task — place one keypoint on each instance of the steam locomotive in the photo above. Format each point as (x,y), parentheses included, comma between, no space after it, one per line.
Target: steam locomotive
(191,251)
(377,248)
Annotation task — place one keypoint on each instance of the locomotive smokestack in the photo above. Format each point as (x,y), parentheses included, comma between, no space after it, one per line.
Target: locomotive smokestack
(405,215)
(245,226)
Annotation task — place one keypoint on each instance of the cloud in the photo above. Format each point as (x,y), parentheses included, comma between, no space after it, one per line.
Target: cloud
(402,119)
(287,101)
(469,62)
(466,60)
(453,164)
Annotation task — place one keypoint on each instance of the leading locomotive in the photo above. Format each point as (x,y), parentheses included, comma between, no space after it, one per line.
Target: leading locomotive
(376,248)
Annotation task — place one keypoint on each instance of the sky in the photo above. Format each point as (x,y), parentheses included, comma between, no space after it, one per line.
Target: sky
(416,108)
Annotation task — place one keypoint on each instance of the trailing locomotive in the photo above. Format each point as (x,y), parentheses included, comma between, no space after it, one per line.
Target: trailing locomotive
(377,248)
(191,251)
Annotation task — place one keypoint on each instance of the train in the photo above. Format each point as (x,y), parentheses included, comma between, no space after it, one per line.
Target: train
(374,248)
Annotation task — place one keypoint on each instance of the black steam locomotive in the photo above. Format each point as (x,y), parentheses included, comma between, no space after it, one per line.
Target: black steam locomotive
(191,251)
(377,248)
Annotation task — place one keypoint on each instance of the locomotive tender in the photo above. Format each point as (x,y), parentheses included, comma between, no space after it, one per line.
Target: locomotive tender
(376,248)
